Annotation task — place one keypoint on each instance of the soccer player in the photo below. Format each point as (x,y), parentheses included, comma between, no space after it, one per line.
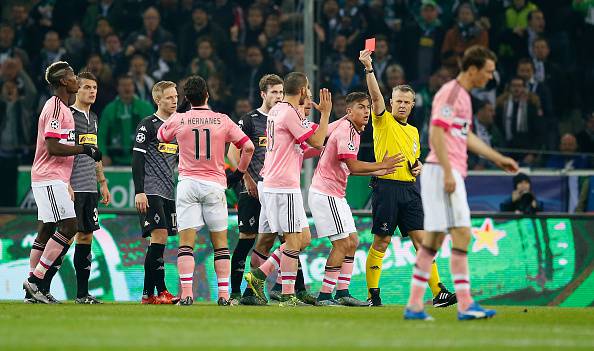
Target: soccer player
(442,183)
(50,177)
(253,124)
(85,175)
(201,135)
(153,164)
(287,129)
(395,198)
(330,210)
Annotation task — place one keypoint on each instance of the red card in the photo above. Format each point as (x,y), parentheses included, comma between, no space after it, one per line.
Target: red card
(370,44)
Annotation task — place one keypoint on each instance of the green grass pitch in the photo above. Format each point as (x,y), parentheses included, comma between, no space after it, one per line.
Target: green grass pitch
(207,327)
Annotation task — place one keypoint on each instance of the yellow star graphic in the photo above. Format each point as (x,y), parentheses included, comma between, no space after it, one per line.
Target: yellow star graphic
(486,237)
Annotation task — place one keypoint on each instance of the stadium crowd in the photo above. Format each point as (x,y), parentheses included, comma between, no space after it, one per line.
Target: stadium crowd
(537,102)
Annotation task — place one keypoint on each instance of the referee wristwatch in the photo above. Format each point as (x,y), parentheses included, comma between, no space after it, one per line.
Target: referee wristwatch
(369,71)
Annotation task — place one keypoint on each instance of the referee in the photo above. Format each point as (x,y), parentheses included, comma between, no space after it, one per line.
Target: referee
(395,199)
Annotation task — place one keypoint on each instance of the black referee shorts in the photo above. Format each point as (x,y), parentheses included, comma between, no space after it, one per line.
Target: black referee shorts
(248,213)
(85,207)
(159,215)
(395,204)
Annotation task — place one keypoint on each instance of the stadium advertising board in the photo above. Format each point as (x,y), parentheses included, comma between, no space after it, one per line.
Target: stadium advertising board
(527,261)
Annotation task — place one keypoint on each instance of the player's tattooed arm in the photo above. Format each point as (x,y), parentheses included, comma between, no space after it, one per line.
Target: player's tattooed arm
(377,100)
(102,180)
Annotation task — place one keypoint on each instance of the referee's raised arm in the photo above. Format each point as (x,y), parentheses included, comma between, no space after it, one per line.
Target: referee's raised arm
(377,100)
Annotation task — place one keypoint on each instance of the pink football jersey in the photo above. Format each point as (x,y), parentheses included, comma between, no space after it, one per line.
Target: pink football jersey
(330,177)
(452,111)
(286,130)
(56,121)
(201,135)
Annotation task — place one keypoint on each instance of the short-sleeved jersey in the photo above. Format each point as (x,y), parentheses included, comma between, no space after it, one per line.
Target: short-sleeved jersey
(452,111)
(160,158)
(84,176)
(286,130)
(55,121)
(393,136)
(201,135)
(253,124)
(330,177)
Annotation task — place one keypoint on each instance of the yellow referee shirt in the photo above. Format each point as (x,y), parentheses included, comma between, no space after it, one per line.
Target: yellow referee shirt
(394,137)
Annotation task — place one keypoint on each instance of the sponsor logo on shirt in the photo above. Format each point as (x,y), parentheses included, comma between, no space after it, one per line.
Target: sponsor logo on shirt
(167,148)
(87,139)
(71,135)
(262,141)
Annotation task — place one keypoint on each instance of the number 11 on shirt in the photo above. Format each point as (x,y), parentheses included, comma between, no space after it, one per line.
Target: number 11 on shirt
(197,139)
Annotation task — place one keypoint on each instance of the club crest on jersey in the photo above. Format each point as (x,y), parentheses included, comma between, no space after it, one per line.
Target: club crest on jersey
(446,111)
(54,124)
(140,138)
(157,218)
(305,123)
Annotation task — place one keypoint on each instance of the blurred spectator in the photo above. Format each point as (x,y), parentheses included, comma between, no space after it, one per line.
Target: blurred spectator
(522,199)
(551,74)
(167,67)
(568,160)
(463,35)
(246,81)
(337,54)
(227,13)
(382,59)
(26,36)
(51,52)
(422,43)
(201,26)
(12,70)
(254,26)
(152,31)
(585,138)
(7,47)
(424,100)
(328,25)
(516,15)
(219,97)
(242,106)
(270,39)
(111,10)
(517,115)
(118,122)
(42,14)
(105,88)
(536,28)
(288,61)
(338,106)
(485,129)
(585,9)
(76,47)
(114,55)
(525,70)
(346,81)
(394,76)
(16,120)
(207,62)
(143,83)
(102,30)
(170,13)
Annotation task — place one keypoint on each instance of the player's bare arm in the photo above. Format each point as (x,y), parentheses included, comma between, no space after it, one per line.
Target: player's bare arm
(387,166)
(438,141)
(103,189)
(55,148)
(325,107)
(233,155)
(476,145)
(377,100)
